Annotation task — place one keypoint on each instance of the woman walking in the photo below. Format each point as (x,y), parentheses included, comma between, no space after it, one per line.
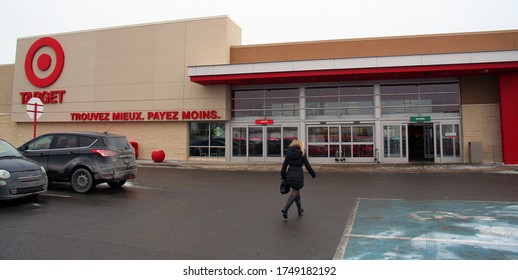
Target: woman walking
(293,174)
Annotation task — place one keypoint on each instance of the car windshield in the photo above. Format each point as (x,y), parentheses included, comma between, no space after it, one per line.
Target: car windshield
(7,150)
(116,142)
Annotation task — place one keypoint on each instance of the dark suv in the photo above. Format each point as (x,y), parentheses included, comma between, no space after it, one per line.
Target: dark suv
(84,159)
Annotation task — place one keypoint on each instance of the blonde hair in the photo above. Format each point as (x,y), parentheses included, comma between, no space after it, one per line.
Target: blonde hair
(298,143)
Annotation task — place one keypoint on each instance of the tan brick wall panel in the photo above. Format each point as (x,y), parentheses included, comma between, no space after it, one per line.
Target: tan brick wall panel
(171,137)
(481,123)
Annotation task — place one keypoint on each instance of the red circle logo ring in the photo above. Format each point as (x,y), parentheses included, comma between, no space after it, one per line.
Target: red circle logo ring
(44,62)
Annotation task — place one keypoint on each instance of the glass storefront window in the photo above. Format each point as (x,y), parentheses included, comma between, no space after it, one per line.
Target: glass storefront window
(248,114)
(450,88)
(318,151)
(334,134)
(239,142)
(207,139)
(263,103)
(339,102)
(289,134)
(248,104)
(322,91)
(255,93)
(323,113)
(346,151)
(400,100)
(199,135)
(281,113)
(420,98)
(346,134)
(363,134)
(438,99)
(363,150)
(318,134)
(339,120)
(322,102)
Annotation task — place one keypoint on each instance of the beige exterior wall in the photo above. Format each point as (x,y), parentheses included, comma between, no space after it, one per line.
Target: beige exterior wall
(481,123)
(7,127)
(171,137)
(6,87)
(481,116)
(132,69)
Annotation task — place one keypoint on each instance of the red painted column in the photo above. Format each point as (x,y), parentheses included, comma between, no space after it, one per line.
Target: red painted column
(509,116)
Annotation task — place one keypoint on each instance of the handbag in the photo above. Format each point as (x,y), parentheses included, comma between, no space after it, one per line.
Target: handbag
(284,187)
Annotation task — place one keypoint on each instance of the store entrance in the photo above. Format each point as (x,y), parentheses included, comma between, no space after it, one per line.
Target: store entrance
(421,142)
(262,143)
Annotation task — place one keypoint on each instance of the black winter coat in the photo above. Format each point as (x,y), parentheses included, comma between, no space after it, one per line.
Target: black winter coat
(292,168)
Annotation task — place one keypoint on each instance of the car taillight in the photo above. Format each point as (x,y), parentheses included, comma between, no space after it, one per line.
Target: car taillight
(105,153)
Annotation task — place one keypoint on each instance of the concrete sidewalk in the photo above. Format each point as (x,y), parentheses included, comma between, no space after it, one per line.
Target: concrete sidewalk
(338,167)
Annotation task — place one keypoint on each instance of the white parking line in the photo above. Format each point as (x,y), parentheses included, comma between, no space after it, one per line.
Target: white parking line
(56,195)
(340,250)
(137,186)
(440,240)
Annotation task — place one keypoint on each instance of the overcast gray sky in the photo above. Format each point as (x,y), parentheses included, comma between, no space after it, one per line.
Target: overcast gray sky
(261,21)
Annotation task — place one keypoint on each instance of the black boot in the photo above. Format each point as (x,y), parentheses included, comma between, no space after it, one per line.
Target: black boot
(284,210)
(299,205)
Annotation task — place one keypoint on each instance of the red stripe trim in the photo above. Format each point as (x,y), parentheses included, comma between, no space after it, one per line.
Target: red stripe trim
(460,69)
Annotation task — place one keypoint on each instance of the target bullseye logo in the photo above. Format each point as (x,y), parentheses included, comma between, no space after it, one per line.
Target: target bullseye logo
(44,62)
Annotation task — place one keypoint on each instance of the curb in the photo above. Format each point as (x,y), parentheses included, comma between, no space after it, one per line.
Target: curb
(367,168)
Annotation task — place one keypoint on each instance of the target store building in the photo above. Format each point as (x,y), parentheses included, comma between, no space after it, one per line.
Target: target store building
(192,90)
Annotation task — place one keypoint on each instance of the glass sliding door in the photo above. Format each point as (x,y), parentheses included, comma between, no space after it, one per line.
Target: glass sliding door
(448,143)
(341,142)
(288,135)
(429,145)
(421,145)
(273,141)
(318,141)
(363,141)
(392,141)
(395,143)
(421,142)
(239,142)
(261,143)
(255,141)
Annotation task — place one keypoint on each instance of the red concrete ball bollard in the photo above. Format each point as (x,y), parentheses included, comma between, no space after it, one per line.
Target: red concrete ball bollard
(158,156)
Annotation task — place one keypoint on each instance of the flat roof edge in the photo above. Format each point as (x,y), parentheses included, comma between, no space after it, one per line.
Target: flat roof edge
(130,26)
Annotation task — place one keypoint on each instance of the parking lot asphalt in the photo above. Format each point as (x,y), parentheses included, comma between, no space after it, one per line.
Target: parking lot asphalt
(413,229)
(195,211)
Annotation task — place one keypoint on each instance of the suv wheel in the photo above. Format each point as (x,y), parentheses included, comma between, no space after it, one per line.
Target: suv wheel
(82,181)
(116,184)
